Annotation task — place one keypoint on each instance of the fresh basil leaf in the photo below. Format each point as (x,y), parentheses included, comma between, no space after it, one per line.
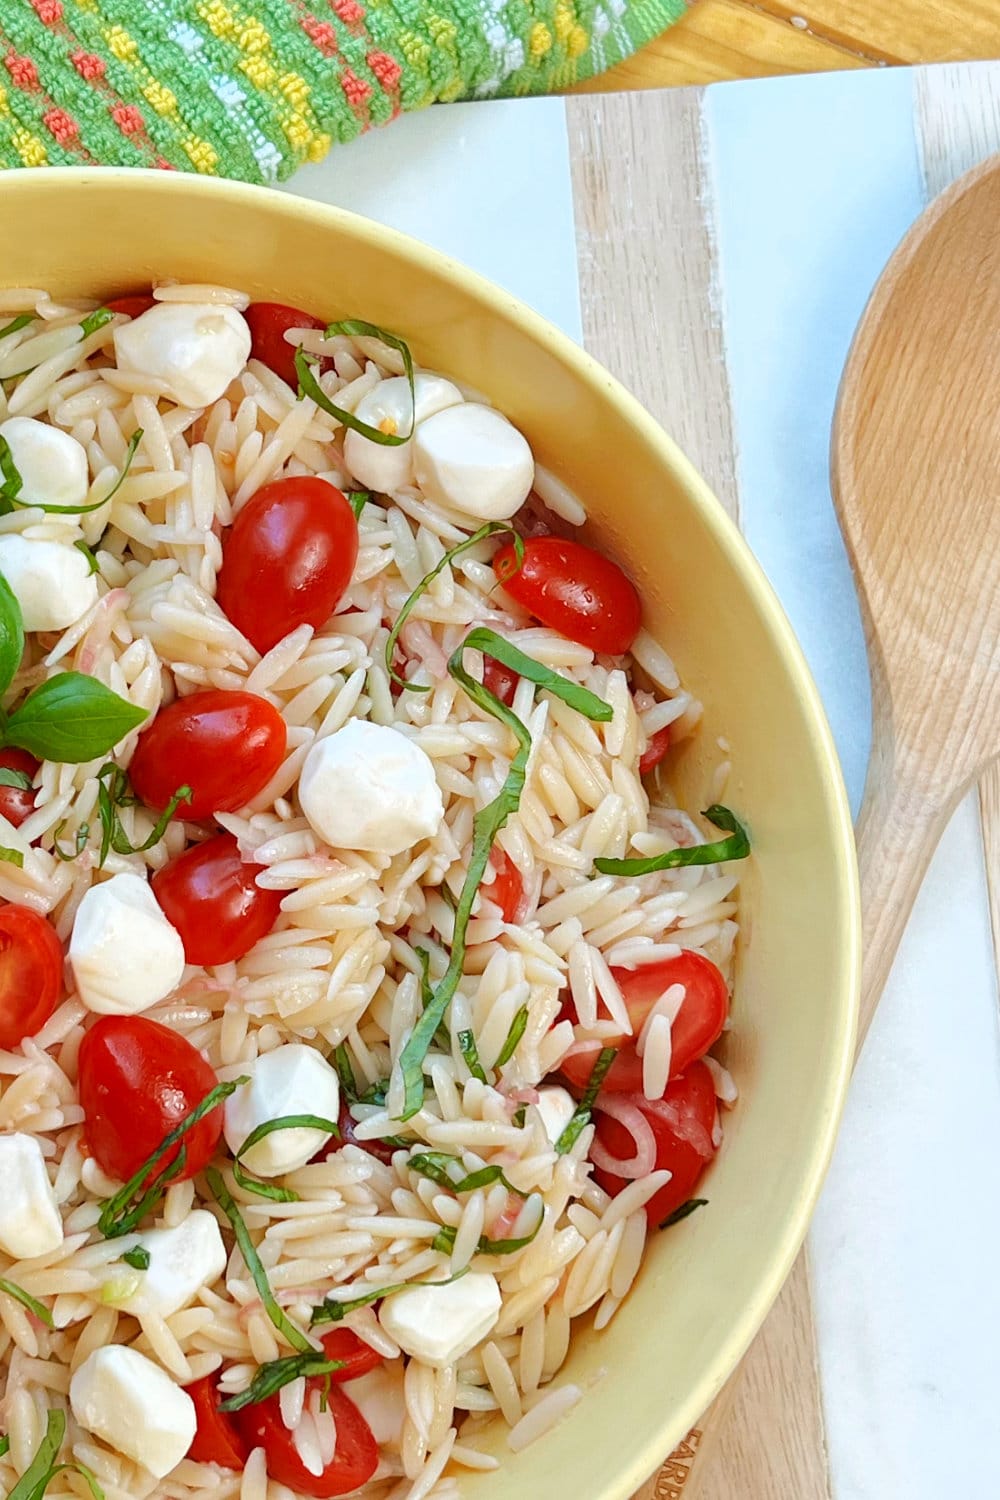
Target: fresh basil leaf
(114,791)
(310,386)
(332,1311)
(278,1317)
(11,857)
(120,1214)
(92,563)
(259,1133)
(35,1480)
(357,500)
(470,1052)
(71,718)
(26,1300)
(519,1116)
(444,1242)
(82,835)
(580,1118)
(579,698)
(490,529)
(275,1373)
(94,320)
(19,779)
(12,481)
(436,1164)
(342,1063)
(85,510)
(517,1029)
(11,634)
(16,324)
(137,1258)
(4,1445)
(736,846)
(683,1212)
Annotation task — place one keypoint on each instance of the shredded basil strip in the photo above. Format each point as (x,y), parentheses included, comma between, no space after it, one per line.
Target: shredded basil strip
(275,1373)
(270,1190)
(470,1052)
(4,1445)
(736,846)
(82,835)
(71,718)
(113,792)
(278,1317)
(11,634)
(92,563)
(357,500)
(342,1063)
(310,386)
(517,1029)
(26,1300)
(486,824)
(683,1212)
(581,1115)
(444,1242)
(12,481)
(137,1258)
(20,779)
(43,1467)
(490,529)
(82,510)
(94,320)
(332,1311)
(520,1115)
(119,1215)
(11,857)
(16,324)
(435,1164)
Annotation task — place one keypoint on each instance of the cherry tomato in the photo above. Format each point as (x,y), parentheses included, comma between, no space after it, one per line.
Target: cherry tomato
(346,1122)
(287,559)
(507,890)
(137,1080)
(499,680)
(682,1125)
(224,746)
(573,589)
(216,1438)
(267,322)
(133,306)
(16,802)
(357,1356)
(696,1026)
(353,1463)
(211,896)
(31,971)
(659,744)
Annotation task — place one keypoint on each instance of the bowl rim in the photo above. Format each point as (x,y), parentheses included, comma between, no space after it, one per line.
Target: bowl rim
(643,1457)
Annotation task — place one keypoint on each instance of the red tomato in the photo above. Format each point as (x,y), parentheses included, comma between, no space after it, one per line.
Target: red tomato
(682,1124)
(133,306)
(346,1122)
(500,680)
(137,1080)
(267,322)
(287,559)
(210,895)
(216,1439)
(697,1025)
(353,1463)
(507,890)
(16,802)
(224,746)
(357,1356)
(31,971)
(573,589)
(659,744)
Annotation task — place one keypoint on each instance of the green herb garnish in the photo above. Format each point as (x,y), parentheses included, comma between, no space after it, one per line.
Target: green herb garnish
(4,1445)
(279,1319)
(444,1241)
(11,634)
(20,779)
(137,1258)
(16,324)
(94,320)
(11,489)
(332,1311)
(114,791)
(581,1115)
(357,500)
(26,1300)
(736,846)
(436,1164)
(11,857)
(82,835)
(517,1029)
(470,1053)
(275,1373)
(92,563)
(12,481)
(284,1122)
(342,1063)
(310,386)
(71,718)
(683,1212)
(43,1467)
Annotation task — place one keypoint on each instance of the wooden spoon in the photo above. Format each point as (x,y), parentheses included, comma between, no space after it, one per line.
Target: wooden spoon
(915,465)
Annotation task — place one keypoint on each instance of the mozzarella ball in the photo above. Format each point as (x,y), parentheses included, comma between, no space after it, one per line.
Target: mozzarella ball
(196,349)
(557,1108)
(51,581)
(385,467)
(291,1080)
(51,463)
(472,459)
(124,954)
(30,1222)
(134,1406)
(371,788)
(182,1260)
(438,1324)
(380,1400)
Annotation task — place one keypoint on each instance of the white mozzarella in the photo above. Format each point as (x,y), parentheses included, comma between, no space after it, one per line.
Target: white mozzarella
(134,1406)
(439,1324)
(389,467)
(51,581)
(196,349)
(291,1080)
(380,1400)
(124,954)
(472,459)
(369,787)
(181,1261)
(30,1222)
(51,463)
(557,1108)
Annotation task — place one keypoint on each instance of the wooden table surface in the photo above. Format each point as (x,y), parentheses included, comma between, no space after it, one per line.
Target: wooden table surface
(720,39)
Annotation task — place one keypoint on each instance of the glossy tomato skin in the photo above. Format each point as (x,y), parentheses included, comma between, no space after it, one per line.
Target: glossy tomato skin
(137,1081)
(217,1439)
(211,896)
(287,559)
(659,744)
(17,802)
(507,889)
(225,746)
(132,306)
(381,1150)
(573,589)
(357,1357)
(499,680)
(682,1124)
(267,322)
(353,1463)
(31,973)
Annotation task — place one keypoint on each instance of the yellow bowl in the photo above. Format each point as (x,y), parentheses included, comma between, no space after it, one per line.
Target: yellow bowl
(708,1283)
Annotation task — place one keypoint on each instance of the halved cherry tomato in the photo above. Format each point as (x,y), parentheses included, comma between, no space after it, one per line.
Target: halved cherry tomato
(216,1439)
(507,890)
(381,1150)
(267,322)
(357,1357)
(499,680)
(137,1080)
(17,802)
(288,559)
(31,973)
(659,744)
(212,898)
(224,746)
(682,1123)
(355,1459)
(132,307)
(696,1026)
(573,589)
